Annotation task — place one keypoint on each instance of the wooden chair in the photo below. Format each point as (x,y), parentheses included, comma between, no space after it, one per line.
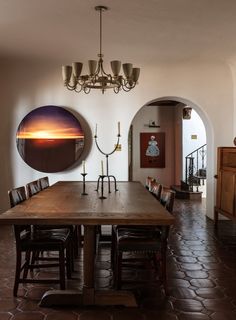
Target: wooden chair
(167,198)
(44,183)
(152,242)
(33,188)
(156,189)
(29,241)
(148,182)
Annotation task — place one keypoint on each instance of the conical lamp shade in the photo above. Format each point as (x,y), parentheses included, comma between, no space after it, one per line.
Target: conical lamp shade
(115,67)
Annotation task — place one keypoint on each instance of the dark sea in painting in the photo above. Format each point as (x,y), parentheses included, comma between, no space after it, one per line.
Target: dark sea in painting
(50,155)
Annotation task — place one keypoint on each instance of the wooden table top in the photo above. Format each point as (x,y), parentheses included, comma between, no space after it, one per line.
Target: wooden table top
(62,203)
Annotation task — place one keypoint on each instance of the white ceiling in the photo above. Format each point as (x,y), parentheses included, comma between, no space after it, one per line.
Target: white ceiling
(144,32)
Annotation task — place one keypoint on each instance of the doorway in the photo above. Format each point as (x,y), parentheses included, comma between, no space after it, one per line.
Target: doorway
(166,115)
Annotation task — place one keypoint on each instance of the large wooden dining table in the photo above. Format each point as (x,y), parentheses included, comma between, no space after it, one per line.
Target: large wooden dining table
(63,203)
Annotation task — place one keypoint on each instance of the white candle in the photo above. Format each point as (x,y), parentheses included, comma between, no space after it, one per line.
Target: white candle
(119,127)
(102,167)
(96,130)
(83,163)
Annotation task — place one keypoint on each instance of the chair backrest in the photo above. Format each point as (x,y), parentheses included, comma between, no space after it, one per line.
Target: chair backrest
(33,188)
(149,182)
(156,190)
(17,196)
(167,198)
(44,183)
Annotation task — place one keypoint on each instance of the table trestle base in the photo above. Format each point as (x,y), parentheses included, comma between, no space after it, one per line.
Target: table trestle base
(54,298)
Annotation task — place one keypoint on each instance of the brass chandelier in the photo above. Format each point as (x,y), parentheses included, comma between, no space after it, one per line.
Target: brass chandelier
(97,77)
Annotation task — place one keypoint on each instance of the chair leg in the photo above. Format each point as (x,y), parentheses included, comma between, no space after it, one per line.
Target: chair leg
(69,261)
(113,246)
(163,269)
(79,231)
(18,272)
(27,263)
(34,258)
(75,240)
(119,275)
(118,270)
(62,268)
(72,256)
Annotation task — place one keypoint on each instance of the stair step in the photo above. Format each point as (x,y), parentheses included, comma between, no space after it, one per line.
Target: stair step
(186,194)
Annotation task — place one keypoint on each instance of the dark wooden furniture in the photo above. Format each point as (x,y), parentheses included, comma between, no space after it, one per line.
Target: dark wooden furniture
(44,183)
(30,241)
(63,203)
(156,190)
(226,183)
(33,187)
(151,241)
(149,182)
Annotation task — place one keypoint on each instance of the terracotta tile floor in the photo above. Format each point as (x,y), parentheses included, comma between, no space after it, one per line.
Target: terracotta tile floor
(201,271)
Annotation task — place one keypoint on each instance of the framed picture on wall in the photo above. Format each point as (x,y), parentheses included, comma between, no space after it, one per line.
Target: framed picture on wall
(152,150)
(50,139)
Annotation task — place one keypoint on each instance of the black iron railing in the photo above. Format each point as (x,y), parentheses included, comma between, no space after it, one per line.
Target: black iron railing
(195,167)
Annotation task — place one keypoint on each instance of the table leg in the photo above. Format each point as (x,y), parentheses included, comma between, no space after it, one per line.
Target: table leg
(89,295)
(89,254)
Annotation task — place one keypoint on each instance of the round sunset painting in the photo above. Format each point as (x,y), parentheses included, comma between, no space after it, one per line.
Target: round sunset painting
(50,139)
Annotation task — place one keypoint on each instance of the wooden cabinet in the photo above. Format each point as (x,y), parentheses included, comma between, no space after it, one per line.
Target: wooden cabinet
(226,183)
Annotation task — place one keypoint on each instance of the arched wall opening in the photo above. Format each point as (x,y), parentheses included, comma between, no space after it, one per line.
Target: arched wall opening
(209,139)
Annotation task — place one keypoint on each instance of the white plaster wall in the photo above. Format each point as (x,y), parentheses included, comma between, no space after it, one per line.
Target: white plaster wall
(29,85)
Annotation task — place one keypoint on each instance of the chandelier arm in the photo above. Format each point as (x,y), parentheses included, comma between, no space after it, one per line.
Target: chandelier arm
(103,72)
(80,82)
(126,88)
(86,90)
(127,85)
(116,89)
(69,87)
(98,68)
(78,91)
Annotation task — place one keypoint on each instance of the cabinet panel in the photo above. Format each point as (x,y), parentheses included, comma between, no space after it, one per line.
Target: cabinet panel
(227,187)
(226,180)
(228,159)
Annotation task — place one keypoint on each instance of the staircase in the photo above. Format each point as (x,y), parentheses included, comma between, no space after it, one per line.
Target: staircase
(195,175)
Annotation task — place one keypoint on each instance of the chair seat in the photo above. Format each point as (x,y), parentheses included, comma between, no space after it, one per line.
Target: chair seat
(55,226)
(134,228)
(141,239)
(46,239)
(31,241)
(138,241)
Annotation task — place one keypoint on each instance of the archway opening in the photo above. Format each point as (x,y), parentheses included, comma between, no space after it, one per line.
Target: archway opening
(165,114)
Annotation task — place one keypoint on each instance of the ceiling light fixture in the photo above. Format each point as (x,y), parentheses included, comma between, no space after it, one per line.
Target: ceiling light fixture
(97,77)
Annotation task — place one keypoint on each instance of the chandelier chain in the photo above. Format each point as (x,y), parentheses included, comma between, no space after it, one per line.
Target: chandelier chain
(100,31)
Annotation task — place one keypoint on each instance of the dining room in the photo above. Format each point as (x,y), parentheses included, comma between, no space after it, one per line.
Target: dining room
(91,227)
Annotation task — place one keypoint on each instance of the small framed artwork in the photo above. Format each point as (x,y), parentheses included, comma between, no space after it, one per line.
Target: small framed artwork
(152,150)
(50,139)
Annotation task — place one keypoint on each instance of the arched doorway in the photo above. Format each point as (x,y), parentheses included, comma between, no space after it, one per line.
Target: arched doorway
(166,103)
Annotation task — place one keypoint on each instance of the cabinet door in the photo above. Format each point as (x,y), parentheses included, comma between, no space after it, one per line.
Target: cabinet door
(227,192)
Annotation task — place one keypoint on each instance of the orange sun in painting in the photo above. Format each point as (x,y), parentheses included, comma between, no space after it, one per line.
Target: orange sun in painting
(48,128)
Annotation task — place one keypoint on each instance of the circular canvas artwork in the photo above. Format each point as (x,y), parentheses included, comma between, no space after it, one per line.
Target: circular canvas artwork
(50,139)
